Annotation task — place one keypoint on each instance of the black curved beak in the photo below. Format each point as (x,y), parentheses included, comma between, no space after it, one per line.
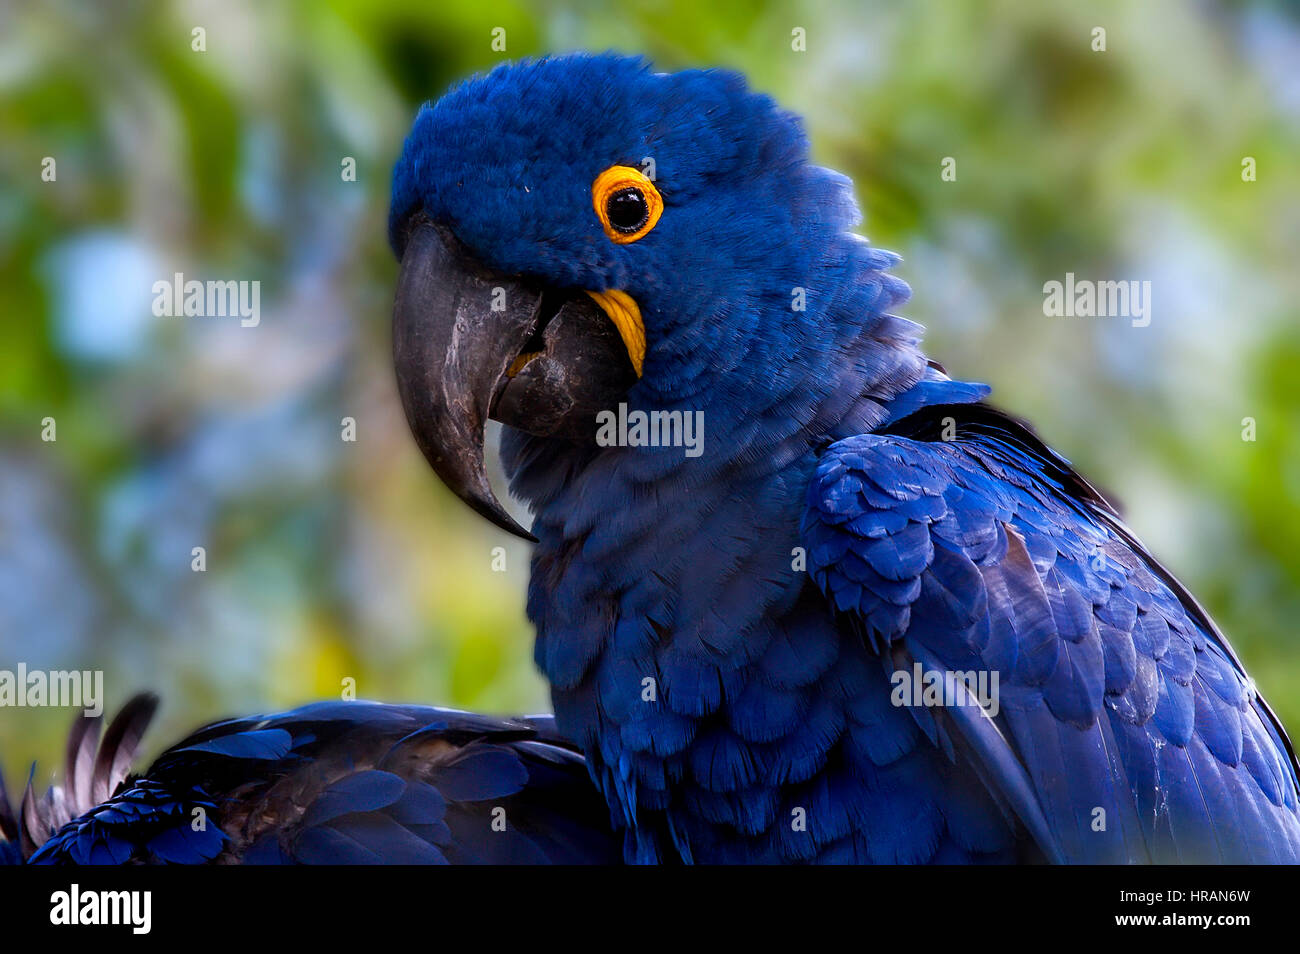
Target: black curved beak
(470,344)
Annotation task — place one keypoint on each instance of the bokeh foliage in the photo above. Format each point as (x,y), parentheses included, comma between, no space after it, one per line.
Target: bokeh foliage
(329,560)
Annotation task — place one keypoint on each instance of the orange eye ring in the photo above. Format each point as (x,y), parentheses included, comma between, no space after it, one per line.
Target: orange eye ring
(627,203)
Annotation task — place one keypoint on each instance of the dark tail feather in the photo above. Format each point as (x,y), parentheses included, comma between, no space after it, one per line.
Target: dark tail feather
(120,745)
(92,772)
(33,828)
(11,852)
(80,760)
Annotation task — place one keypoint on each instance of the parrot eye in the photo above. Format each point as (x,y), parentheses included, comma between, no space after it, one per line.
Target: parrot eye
(626,210)
(626,202)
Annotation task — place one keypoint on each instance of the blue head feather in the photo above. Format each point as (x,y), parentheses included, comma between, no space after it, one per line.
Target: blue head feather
(508,160)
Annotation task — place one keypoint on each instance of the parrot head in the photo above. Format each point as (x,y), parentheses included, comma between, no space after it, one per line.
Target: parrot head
(580,230)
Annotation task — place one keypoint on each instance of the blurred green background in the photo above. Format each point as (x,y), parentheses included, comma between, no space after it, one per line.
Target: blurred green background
(329,560)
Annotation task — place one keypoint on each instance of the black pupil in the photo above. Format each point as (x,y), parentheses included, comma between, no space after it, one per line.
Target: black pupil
(627,209)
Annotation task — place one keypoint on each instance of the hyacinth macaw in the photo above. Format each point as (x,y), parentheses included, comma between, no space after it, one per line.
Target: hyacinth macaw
(734,704)
(729,635)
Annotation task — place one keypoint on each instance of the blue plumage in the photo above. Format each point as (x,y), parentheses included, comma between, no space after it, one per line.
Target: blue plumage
(770,735)
(354,782)
(724,633)
(1157,744)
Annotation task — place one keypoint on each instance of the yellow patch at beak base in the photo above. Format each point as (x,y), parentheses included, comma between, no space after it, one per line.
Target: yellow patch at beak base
(626,315)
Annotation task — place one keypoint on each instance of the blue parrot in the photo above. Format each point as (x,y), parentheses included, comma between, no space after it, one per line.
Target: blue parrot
(799,595)
(730,637)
